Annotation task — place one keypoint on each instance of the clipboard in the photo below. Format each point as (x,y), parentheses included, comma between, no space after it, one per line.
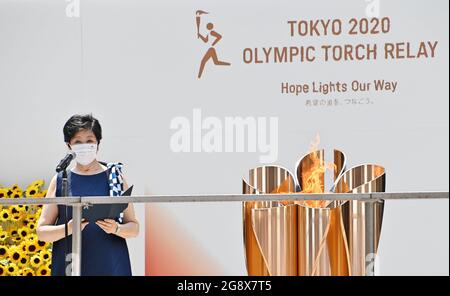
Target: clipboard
(105,211)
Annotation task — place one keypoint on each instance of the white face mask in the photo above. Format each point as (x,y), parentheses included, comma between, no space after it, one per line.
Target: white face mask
(85,153)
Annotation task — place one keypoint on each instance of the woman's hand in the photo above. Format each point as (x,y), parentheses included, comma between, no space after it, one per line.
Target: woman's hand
(83,225)
(108,225)
(130,226)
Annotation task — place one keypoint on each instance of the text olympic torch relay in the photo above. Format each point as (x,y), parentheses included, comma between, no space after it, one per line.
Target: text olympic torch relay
(223,147)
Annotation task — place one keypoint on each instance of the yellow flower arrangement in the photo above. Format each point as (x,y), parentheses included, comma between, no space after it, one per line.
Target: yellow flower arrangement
(21,253)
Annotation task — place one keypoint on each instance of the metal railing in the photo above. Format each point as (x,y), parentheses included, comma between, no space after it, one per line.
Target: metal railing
(78,203)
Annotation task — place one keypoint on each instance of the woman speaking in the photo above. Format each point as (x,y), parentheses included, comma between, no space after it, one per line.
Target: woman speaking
(104,248)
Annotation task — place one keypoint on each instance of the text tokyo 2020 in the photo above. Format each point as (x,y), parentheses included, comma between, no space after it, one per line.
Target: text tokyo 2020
(350,49)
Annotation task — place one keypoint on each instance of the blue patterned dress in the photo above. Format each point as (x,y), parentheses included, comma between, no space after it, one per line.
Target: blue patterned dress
(102,253)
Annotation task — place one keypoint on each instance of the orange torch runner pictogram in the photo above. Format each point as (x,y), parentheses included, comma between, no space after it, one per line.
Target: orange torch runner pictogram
(211,53)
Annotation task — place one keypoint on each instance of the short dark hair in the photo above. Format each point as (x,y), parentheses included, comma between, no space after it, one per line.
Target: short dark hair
(78,123)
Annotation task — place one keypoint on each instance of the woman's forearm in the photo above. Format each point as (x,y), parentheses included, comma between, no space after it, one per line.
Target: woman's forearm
(128,230)
(52,233)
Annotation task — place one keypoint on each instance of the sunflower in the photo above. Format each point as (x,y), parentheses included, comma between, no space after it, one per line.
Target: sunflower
(2,270)
(17,239)
(12,269)
(27,271)
(15,209)
(37,183)
(31,191)
(31,247)
(44,270)
(15,236)
(3,251)
(9,193)
(13,232)
(17,193)
(46,255)
(14,254)
(42,193)
(31,226)
(5,214)
(3,235)
(16,217)
(21,208)
(31,217)
(23,246)
(41,245)
(23,260)
(3,193)
(32,237)
(23,231)
(36,261)
(39,195)
(15,187)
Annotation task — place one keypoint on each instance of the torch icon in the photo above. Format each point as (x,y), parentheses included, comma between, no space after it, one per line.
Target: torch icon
(211,35)
(198,18)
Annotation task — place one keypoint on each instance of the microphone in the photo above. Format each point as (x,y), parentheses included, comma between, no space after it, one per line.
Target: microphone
(64,163)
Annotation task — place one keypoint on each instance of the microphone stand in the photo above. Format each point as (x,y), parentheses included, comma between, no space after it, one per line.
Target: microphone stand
(65,193)
(72,259)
